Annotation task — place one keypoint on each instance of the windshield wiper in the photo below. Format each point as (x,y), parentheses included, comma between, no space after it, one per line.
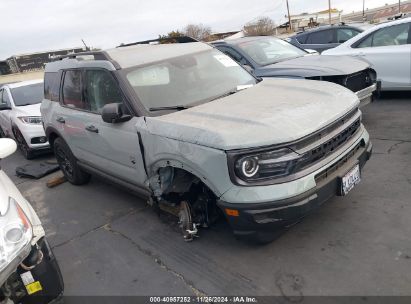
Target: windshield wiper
(178,108)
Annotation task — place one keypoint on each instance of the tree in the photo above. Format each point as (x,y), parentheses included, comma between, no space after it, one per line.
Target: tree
(197,31)
(264,26)
(172,34)
(164,39)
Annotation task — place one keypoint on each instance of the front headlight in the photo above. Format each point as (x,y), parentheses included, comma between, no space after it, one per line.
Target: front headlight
(266,165)
(31,120)
(15,233)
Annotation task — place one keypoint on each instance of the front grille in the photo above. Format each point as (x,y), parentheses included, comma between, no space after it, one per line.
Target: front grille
(354,82)
(330,170)
(357,82)
(329,146)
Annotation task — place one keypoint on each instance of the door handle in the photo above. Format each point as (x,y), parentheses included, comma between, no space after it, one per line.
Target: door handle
(60,119)
(91,128)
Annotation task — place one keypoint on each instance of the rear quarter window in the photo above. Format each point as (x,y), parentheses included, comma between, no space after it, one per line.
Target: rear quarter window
(52,85)
(302,39)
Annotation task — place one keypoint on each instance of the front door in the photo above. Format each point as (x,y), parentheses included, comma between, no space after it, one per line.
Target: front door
(112,147)
(389,52)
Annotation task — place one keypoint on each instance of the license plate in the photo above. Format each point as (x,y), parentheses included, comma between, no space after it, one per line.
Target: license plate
(352,178)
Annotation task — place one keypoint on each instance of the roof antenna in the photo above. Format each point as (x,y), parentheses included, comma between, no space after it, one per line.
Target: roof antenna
(85,45)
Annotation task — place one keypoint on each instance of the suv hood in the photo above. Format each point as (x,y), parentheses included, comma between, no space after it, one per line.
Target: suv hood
(272,112)
(312,66)
(30,110)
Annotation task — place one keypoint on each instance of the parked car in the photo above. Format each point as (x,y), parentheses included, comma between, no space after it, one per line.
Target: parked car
(192,131)
(387,47)
(324,37)
(29,272)
(272,57)
(20,116)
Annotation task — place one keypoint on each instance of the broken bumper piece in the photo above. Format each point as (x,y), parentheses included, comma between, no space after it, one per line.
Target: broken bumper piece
(37,280)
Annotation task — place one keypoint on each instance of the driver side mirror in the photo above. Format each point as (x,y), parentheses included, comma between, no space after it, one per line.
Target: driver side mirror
(4,106)
(113,113)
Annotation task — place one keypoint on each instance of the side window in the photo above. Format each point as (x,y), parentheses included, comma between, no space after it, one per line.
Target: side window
(302,39)
(321,37)
(345,34)
(5,97)
(364,43)
(51,86)
(101,89)
(233,54)
(393,35)
(72,94)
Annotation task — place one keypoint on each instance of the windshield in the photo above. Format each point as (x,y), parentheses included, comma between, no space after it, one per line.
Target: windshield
(270,50)
(187,80)
(28,95)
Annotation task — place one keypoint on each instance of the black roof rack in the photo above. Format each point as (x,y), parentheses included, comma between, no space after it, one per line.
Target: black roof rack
(98,55)
(165,40)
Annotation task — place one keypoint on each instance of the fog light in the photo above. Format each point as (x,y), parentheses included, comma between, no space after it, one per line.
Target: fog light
(39,140)
(232,212)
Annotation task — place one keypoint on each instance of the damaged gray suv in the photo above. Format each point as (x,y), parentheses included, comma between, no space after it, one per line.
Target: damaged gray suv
(193,132)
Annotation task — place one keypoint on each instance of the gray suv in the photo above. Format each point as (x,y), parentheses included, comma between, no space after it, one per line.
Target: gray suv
(189,129)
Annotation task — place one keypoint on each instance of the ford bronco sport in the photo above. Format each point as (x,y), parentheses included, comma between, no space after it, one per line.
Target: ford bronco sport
(192,131)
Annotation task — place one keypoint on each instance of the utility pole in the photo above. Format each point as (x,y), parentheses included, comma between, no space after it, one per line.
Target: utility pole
(363,10)
(399,6)
(289,16)
(329,11)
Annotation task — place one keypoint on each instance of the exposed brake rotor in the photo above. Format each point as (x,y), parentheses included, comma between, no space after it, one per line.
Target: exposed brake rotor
(188,228)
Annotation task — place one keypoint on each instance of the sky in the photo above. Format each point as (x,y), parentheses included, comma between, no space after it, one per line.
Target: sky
(42,25)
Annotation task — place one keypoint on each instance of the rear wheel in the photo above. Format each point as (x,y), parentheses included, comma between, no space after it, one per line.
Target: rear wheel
(22,144)
(68,163)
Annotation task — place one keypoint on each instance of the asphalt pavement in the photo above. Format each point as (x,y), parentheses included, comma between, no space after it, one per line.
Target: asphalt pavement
(108,242)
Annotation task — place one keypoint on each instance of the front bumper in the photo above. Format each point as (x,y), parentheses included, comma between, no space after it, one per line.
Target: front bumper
(47,285)
(251,219)
(33,134)
(366,95)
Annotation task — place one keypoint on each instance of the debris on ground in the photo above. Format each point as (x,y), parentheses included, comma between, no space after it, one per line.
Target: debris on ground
(55,181)
(36,170)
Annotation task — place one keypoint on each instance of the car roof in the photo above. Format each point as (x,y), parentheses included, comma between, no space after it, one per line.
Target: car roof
(23,83)
(389,23)
(127,56)
(325,27)
(240,40)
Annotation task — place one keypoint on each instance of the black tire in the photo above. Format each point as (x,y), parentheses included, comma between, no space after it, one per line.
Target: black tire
(68,164)
(22,144)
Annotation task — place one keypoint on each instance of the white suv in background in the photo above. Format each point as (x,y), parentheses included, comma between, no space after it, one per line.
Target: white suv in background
(20,116)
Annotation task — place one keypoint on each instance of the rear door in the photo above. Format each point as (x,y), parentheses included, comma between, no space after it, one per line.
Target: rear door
(389,51)
(109,147)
